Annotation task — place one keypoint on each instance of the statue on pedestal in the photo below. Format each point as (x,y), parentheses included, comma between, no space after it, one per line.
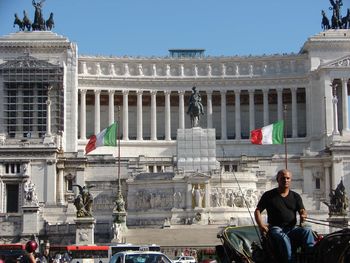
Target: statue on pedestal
(83,202)
(195,108)
(30,196)
(339,202)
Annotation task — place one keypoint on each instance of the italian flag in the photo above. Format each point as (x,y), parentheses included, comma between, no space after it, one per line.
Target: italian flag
(271,134)
(107,137)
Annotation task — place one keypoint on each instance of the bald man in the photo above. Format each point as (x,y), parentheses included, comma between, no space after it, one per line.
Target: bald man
(282,205)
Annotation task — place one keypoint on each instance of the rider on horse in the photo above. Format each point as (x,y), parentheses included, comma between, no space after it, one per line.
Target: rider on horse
(195,100)
(195,108)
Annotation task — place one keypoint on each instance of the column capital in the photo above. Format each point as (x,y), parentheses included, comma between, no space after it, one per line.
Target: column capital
(181,92)
(209,92)
(125,92)
(167,92)
(97,91)
(293,89)
(153,92)
(279,90)
(223,92)
(237,92)
(265,90)
(111,92)
(251,91)
(139,92)
(83,91)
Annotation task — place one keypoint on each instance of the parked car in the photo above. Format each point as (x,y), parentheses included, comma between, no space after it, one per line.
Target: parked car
(184,259)
(139,257)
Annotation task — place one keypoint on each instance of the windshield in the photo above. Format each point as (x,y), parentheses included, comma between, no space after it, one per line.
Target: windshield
(146,258)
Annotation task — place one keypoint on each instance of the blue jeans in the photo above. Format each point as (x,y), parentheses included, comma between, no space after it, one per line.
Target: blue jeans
(288,239)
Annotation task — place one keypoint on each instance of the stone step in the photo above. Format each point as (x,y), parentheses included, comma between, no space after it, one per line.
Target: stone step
(175,236)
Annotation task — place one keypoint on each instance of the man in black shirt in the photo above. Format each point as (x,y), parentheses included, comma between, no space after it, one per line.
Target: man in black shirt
(281,205)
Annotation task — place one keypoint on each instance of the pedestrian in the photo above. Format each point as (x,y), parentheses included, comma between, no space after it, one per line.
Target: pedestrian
(29,256)
(44,256)
(281,205)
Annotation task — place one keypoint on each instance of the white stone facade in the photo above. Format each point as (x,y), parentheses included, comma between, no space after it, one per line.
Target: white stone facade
(43,135)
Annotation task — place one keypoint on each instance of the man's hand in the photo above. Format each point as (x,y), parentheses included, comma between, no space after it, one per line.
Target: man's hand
(303,215)
(263,229)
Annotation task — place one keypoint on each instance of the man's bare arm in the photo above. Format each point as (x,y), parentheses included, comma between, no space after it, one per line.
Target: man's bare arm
(258,218)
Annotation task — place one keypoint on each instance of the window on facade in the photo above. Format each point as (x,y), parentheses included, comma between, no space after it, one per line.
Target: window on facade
(12,168)
(227,168)
(12,198)
(318,183)
(69,185)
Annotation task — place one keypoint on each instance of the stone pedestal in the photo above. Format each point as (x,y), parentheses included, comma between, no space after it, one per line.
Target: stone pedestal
(30,219)
(85,227)
(196,150)
(119,227)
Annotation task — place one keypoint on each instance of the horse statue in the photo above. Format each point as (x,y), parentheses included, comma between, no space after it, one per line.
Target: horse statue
(27,24)
(346,20)
(336,22)
(325,21)
(195,108)
(50,23)
(39,21)
(18,22)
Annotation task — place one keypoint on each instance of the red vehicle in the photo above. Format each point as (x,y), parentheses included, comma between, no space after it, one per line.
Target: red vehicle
(80,253)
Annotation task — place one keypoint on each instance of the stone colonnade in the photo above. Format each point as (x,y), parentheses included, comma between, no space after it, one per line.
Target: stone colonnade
(181,111)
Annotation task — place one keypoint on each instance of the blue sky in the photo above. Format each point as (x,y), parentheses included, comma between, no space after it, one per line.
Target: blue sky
(151,27)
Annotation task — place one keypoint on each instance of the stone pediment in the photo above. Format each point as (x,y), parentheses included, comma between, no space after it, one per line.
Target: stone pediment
(343,62)
(27,62)
(198,176)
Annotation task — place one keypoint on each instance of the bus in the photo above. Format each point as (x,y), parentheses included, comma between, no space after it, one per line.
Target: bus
(11,252)
(80,253)
(130,247)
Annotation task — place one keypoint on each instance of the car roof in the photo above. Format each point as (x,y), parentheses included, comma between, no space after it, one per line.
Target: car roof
(130,252)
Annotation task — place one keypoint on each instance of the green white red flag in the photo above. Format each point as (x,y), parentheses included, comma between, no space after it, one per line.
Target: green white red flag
(107,137)
(271,134)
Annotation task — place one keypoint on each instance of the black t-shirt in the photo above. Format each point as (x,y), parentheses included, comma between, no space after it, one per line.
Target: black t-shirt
(281,211)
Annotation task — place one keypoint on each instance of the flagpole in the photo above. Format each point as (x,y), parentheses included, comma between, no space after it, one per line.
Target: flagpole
(285,135)
(118,137)
(119,209)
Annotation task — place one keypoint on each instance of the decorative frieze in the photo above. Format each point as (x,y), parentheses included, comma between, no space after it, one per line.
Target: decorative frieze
(204,69)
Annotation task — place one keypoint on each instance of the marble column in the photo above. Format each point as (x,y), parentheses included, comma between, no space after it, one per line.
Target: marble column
(83,114)
(335,111)
(48,117)
(97,111)
(251,110)
(223,115)
(266,106)
(60,184)
(181,110)
(345,105)
(209,109)
(280,104)
(153,115)
(139,115)
(125,115)
(111,107)
(238,114)
(308,110)
(327,179)
(167,115)
(294,113)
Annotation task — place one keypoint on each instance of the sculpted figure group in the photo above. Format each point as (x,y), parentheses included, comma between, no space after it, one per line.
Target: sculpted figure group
(337,21)
(39,24)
